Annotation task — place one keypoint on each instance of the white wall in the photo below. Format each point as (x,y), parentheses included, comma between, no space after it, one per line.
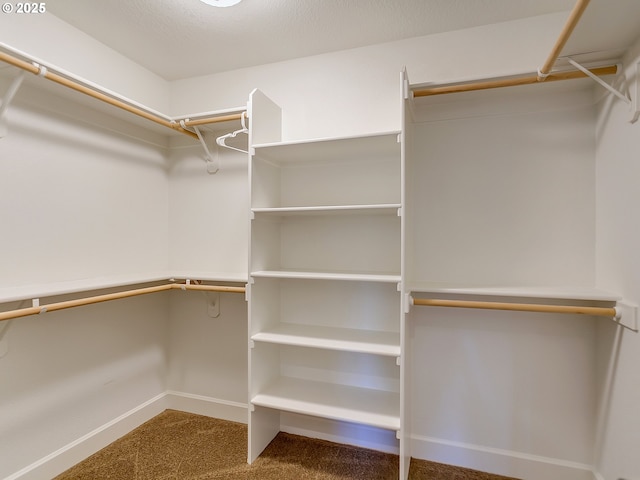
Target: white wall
(618,269)
(207,355)
(208,214)
(505,197)
(56,43)
(357,91)
(80,200)
(64,374)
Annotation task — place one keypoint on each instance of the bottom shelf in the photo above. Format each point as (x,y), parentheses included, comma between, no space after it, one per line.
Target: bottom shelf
(376,408)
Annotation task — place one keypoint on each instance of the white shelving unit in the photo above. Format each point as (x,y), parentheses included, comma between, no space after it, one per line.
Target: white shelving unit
(325,277)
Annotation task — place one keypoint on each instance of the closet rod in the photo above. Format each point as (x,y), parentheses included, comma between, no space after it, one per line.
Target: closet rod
(512,82)
(206,121)
(572,21)
(52,307)
(610,312)
(54,77)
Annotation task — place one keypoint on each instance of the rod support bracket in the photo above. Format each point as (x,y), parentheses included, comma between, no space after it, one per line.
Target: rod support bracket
(213,304)
(6,100)
(635,96)
(627,315)
(213,162)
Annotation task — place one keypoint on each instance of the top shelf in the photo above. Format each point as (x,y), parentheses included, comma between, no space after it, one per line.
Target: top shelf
(27,292)
(381,146)
(540,293)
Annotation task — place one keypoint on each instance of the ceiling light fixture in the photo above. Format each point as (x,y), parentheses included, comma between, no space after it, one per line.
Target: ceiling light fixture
(221,3)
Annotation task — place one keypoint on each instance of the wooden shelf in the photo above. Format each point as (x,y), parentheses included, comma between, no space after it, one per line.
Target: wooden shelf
(376,209)
(343,339)
(376,408)
(316,275)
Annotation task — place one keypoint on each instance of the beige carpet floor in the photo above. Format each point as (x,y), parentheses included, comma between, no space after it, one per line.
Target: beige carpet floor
(182,446)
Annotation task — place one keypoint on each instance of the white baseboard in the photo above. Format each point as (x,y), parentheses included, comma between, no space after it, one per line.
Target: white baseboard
(498,461)
(340,432)
(502,462)
(210,407)
(76,451)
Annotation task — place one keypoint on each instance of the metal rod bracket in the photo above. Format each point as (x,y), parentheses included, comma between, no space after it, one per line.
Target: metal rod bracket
(618,94)
(213,162)
(6,100)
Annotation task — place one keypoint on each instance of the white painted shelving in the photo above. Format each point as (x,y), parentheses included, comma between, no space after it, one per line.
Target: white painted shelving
(325,272)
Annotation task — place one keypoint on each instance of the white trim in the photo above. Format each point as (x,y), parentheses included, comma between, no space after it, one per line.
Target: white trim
(69,455)
(72,453)
(208,406)
(498,461)
(346,433)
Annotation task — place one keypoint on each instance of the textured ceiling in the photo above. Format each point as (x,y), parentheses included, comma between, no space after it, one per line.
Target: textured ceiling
(185,38)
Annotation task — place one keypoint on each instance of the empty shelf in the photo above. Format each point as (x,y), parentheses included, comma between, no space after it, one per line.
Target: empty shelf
(368,147)
(344,339)
(370,209)
(316,275)
(559,293)
(376,408)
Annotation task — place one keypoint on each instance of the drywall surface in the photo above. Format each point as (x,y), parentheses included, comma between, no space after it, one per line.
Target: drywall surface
(67,373)
(518,384)
(207,354)
(358,91)
(618,269)
(54,42)
(504,198)
(208,213)
(79,200)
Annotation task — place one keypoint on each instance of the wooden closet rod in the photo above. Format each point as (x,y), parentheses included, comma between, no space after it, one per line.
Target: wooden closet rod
(512,82)
(519,307)
(206,121)
(54,77)
(572,21)
(542,74)
(52,307)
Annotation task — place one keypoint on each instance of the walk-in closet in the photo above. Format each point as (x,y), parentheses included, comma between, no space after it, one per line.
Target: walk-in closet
(423,244)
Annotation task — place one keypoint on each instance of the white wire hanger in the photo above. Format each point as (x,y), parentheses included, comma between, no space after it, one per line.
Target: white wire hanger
(222,140)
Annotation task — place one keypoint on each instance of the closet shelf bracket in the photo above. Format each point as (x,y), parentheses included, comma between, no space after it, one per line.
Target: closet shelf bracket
(627,315)
(633,104)
(213,162)
(6,100)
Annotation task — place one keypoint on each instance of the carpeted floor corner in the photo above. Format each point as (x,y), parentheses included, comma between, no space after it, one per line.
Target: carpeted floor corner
(182,446)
